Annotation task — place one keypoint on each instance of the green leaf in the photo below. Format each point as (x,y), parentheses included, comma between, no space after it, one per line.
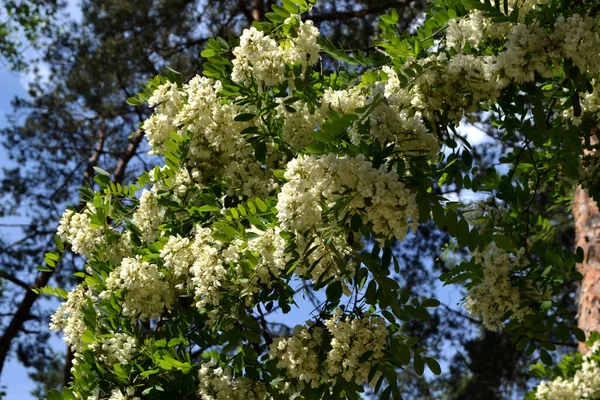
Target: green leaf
(68,394)
(261,205)
(244,117)
(462,233)
(54,395)
(101,171)
(334,292)
(546,304)
(433,365)
(546,358)
(579,334)
(503,242)
(431,303)
(206,53)
(419,364)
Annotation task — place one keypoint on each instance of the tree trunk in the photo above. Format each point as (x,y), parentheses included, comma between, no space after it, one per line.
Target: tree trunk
(587,236)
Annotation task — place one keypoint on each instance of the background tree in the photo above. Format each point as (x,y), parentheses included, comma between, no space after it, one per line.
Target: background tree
(22,24)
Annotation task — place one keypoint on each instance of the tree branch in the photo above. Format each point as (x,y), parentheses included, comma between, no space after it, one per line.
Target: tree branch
(22,315)
(88,175)
(119,174)
(14,280)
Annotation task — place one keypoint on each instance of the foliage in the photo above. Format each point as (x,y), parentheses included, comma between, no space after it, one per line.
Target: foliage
(277,174)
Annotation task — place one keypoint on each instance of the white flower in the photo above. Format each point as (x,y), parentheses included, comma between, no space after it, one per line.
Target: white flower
(148,216)
(118,349)
(491,299)
(146,292)
(258,58)
(76,228)
(377,195)
(69,317)
(217,383)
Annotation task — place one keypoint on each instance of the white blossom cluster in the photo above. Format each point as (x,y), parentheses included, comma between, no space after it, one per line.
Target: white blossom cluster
(315,184)
(208,269)
(299,354)
(348,341)
(148,216)
(298,125)
(167,99)
(392,122)
(272,258)
(259,58)
(76,229)
(120,348)
(585,384)
(492,298)
(579,40)
(217,150)
(471,29)
(209,275)
(69,318)
(527,51)
(218,383)
(351,341)
(345,101)
(178,257)
(145,289)
(117,394)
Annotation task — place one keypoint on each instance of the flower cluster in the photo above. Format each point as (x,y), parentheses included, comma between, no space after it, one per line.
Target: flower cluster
(148,216)
(351,341)
(216,149)
(218,383)
(298,124)
(579,40)
(129,394)
(209,275)
(299,354)
(167,100)
(69,317)
(315,185)
(178,258)
(270,247)
(120,348)
(495,297)
(585,384)
(259,58)
(77,229)
(145,289)
(356,345)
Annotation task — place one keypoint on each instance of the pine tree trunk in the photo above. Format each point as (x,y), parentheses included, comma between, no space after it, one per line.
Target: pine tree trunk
(587,236)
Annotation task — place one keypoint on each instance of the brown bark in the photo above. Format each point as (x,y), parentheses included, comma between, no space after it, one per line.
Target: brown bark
(22,315)
(88,175)
(258,12)
(587,236)
(119,174)
(586,217)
